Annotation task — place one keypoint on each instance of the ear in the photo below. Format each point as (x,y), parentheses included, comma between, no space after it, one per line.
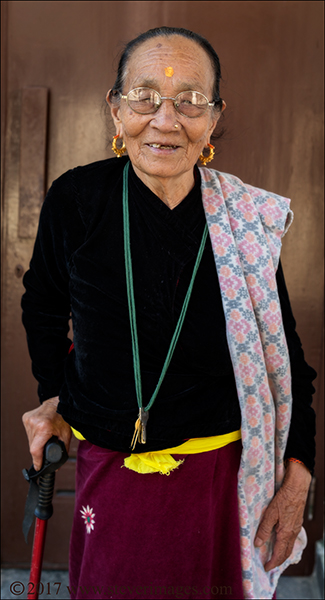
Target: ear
(115,112)
(215,121)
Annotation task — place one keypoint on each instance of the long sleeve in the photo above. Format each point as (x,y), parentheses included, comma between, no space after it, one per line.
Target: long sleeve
(46,303)
(301,440)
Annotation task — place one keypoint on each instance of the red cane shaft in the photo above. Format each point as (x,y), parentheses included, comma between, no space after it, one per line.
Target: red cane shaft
(37,558)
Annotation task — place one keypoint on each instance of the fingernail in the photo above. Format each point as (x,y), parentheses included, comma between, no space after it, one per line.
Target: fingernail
(258,542)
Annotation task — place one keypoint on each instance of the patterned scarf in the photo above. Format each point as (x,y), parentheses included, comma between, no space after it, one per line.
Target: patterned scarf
(246,225)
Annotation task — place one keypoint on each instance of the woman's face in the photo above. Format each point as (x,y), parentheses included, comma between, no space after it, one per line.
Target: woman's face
(192,70)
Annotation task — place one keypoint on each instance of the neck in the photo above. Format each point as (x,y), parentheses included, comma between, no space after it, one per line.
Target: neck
(171,190)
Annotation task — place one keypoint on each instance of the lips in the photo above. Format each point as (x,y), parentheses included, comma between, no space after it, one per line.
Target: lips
(163,146)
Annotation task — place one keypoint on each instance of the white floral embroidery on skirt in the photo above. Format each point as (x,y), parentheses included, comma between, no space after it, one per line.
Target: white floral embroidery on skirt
(88,516)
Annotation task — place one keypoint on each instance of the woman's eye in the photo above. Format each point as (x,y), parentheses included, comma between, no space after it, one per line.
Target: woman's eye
(148,99)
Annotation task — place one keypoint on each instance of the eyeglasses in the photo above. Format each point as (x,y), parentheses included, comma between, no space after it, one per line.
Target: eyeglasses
(146,101)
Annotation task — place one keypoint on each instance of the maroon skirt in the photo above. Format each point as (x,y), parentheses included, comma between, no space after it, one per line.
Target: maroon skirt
(156,536)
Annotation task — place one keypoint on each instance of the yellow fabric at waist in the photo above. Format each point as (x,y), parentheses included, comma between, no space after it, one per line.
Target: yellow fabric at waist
(77,434)
(162,462)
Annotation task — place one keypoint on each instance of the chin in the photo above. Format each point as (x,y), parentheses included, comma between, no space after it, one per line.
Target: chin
(162,169)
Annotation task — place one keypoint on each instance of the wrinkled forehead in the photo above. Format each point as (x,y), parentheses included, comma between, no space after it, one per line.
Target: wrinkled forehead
(179,59)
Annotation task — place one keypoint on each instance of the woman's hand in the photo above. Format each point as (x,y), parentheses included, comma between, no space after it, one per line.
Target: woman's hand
(285,514)
(40,424)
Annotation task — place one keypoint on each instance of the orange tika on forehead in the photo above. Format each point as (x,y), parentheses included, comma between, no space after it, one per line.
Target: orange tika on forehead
(169,71)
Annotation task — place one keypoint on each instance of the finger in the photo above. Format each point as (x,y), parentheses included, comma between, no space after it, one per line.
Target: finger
(266,526)
(63,432)
(283,547)
(37,449)
(278,557)
(282,550)
(41,436)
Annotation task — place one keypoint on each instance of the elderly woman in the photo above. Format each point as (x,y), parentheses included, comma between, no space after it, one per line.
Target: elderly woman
(183,342)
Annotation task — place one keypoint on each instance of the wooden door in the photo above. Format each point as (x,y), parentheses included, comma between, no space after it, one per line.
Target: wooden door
(58,60)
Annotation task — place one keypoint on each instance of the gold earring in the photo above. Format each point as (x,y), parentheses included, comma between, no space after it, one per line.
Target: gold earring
(206,159)
(118,151)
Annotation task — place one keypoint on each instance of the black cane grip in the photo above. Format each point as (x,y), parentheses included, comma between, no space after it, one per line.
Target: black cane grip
(55,454)
(44,508)
(53,450)
(39,498)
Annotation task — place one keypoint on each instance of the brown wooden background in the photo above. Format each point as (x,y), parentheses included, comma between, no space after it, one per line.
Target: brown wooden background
(58,61)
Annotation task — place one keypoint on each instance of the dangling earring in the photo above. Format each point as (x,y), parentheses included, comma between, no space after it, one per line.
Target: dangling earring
(206,159)
(118,151)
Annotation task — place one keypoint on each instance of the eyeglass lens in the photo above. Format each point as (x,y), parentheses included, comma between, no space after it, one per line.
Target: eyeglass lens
(146,101)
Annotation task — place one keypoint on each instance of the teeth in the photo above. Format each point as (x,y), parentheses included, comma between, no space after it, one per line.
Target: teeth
(161,146)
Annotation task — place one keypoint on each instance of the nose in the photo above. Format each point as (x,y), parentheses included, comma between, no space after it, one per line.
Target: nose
(165,117)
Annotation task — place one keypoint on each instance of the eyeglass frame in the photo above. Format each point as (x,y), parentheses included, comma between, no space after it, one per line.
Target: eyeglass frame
(125,97)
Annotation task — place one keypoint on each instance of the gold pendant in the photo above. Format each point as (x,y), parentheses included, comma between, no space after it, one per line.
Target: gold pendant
(136,434)
(140,434)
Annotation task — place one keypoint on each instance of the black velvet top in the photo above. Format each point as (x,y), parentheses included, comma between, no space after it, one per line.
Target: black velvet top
(78,268)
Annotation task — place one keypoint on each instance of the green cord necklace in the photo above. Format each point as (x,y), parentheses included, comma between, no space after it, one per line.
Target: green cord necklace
(140,425)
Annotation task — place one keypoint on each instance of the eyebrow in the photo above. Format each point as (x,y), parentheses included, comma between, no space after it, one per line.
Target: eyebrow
(192,85)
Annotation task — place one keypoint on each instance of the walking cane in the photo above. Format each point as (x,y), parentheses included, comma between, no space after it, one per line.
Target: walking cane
(39,503)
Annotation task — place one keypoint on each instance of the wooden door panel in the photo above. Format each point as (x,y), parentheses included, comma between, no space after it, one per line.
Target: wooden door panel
(33,145)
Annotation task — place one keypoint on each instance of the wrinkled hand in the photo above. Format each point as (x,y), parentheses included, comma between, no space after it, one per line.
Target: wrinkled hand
(40,424)
(285,514)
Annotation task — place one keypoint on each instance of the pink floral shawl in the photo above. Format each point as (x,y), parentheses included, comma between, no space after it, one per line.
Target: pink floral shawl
(246,225)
